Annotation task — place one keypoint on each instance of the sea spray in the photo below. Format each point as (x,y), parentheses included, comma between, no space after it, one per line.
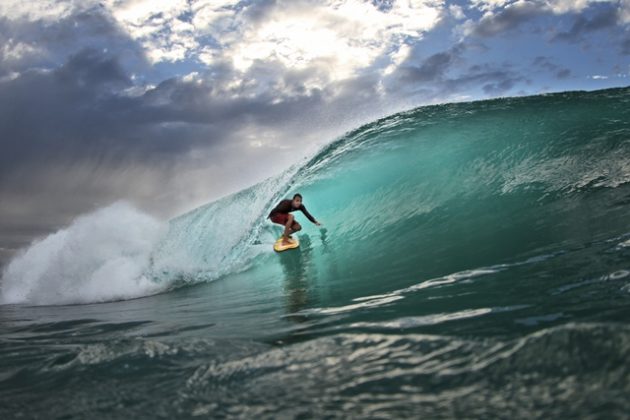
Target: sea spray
(101,256)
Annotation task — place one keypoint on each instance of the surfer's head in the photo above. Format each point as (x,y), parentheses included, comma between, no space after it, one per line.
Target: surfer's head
(297,201)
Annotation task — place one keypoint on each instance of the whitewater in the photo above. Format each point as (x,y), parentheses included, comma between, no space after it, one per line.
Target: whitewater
(474,260)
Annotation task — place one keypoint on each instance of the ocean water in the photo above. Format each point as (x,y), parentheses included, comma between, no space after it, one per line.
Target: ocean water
(474,261)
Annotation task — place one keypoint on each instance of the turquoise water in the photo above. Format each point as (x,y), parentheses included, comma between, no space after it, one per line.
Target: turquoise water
(474,261)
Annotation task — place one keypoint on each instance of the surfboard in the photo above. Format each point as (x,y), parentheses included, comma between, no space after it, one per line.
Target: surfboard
(279,247)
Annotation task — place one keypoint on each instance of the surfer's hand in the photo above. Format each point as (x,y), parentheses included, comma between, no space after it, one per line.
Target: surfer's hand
(317,224)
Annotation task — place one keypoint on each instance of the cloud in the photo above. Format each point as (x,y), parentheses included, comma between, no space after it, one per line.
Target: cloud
(456,11)
(488,5)
(42,10)
(500,16)
(624,11)
(559,7)
(583,25)
(440,76)
(42,43)
(546,63)
(91,68)
(493,80)
(434,67)
(563,74)
(344,37)
(498,88)
(508,18)
(160,27)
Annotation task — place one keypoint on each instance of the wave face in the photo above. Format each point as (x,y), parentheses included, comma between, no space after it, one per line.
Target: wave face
(435,190)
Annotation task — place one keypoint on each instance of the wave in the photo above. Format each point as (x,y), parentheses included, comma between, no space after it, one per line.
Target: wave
(460,185)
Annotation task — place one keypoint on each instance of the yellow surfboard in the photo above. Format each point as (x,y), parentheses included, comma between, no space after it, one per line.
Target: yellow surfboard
(279,246)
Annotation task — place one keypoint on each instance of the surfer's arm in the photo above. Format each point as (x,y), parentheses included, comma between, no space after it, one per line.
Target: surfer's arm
(308,215)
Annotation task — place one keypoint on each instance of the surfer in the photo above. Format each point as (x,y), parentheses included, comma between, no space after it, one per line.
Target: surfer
(281,215)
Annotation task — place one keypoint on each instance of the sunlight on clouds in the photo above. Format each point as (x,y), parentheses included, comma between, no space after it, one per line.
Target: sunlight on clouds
(456,11)
(168,29)
(335,39)
(574,6)
(297,43)
(9,77)
(488,5)
(156,24)
(208,13)
(13,50)
(207,55)
(138,12)
(344,36)
(556,6)
(494,9)
(624,12)
(46,10)
(397,57)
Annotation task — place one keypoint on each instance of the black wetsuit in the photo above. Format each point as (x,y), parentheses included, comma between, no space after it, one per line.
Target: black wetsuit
(285,207)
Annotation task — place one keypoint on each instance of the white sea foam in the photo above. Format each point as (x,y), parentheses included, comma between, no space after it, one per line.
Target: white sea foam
(101,256)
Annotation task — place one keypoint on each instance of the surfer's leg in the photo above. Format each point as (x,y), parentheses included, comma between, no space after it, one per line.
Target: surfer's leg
(287,228)
(296,227)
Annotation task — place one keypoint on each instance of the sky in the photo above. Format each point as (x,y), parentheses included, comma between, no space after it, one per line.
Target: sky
(170,104)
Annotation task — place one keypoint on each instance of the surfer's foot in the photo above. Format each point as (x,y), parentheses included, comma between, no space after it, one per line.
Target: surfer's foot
(287,240)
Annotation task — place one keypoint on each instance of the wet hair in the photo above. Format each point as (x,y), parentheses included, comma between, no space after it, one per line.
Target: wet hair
(298,195)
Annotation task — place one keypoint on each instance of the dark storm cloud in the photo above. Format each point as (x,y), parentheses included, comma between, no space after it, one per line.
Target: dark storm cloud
(507,19)
(52,40)
(91,68)
(604,18)
(81,108)
(44,113)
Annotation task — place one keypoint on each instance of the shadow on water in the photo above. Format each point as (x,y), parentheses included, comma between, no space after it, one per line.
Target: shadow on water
(299,275)
(307,272)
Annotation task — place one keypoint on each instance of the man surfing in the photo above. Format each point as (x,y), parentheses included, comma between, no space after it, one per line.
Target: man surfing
(281,215)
